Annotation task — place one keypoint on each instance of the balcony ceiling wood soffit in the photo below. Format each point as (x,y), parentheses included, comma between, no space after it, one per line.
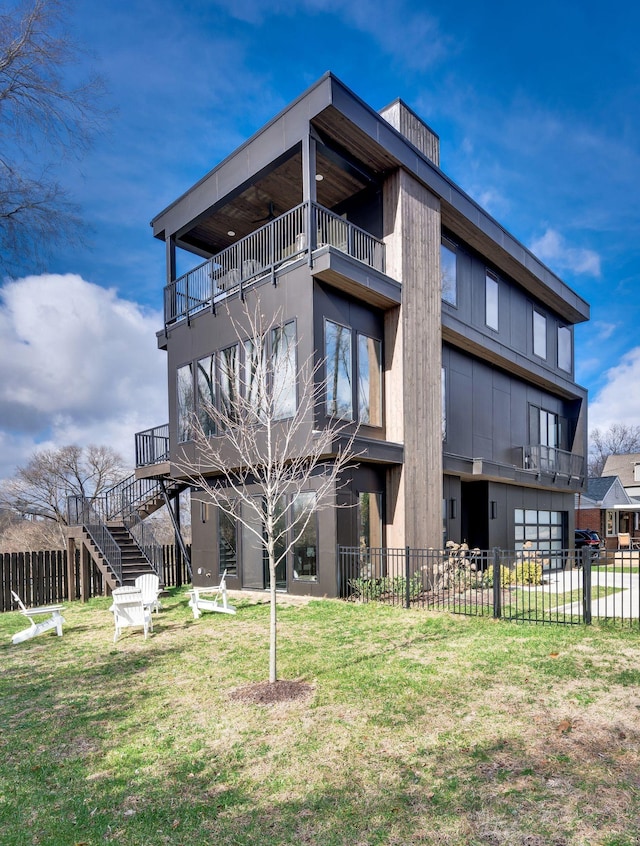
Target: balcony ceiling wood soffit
(274,192)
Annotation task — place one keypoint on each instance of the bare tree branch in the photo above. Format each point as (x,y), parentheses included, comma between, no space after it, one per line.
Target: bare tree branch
(40,488)
(266,453)
(618,439)
(40,109)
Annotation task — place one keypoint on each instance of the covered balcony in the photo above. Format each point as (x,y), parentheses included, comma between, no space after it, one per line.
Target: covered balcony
(295,235)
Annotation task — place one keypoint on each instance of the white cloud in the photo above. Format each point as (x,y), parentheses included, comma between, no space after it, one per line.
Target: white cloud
(619,400)
(552,248)
(78,364)
(604,330)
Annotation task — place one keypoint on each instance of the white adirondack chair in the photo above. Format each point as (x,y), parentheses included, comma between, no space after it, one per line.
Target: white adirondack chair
(129,610)
(54,619)
(149,584)
(219,602)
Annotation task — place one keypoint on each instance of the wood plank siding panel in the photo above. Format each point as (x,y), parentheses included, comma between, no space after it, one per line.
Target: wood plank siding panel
(412,234)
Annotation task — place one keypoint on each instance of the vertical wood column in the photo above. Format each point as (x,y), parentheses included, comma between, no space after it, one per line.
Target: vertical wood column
(71,568)
(85,571)
(414,358)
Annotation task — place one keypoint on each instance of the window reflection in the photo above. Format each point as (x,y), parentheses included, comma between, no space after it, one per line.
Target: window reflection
(283,356)
(338,364)
(206,387)
(184,379)
(369,381)
(227,543)
(448,274)
(305,558)
(229,382)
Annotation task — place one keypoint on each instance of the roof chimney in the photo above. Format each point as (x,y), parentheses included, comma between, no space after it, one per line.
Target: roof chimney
(414,129)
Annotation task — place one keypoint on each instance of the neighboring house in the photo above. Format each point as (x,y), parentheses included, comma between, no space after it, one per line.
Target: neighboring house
(472,429)
(606,507)
(627,468)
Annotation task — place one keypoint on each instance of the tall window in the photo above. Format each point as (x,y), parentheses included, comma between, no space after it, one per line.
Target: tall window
(564,348)
(283,359)
(539,334)
(227,543)
(229,382)
(255,376)
(369,381)
(549,428)
(206,388)
(370,520)
(184,384)
(491,301)
(339,391)
(305,549)
(449,273)
(443,392)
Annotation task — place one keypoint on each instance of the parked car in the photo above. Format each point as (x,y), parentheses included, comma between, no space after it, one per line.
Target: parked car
(588,538)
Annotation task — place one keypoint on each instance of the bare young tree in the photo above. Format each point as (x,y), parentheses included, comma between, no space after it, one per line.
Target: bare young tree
(40,488)
(618,439)
(40,109)
(258,453)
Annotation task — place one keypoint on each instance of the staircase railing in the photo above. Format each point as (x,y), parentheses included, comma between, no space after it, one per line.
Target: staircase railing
(82,511)
(124,502)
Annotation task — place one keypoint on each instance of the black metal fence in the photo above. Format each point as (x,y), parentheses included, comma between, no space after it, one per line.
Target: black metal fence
(542,586)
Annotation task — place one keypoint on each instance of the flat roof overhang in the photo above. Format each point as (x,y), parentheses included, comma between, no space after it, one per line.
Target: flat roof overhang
(334,115)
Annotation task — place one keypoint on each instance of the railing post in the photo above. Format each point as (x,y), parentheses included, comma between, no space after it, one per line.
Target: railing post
(407,576)
(272,251)
(497,586)
(311,240)
(585,554)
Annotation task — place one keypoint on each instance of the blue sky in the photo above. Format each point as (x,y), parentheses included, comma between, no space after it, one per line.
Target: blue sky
(537,109)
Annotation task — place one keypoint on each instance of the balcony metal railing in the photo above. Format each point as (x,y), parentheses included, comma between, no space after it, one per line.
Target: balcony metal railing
(546,459)
(265,251)
(152,446)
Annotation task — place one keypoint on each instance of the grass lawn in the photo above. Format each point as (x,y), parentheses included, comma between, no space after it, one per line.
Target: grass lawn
(420,728)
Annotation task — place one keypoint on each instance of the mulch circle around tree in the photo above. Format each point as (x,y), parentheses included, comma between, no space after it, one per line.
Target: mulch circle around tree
(266,693)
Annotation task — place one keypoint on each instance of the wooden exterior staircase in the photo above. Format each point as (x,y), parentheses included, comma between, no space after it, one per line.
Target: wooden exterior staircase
(109,529)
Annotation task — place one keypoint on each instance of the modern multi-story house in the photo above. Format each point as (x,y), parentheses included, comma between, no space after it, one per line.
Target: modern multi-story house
(456,343)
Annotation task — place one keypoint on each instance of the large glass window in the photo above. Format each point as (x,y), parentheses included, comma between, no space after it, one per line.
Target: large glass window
(184,384)
(339,389)
(449,273)
(227,543)
(283,357)
(305,557)
(539,334)
(564,348)
(491,301)
(370,520)
(229,382)
(369,381)
(206,387)
(255,376)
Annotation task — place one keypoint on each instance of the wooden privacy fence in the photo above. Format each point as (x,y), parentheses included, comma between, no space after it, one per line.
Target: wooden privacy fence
(42,578)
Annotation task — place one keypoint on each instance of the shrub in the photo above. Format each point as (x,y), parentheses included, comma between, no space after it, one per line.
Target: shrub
(528,572)
(506,576)
(389,586)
